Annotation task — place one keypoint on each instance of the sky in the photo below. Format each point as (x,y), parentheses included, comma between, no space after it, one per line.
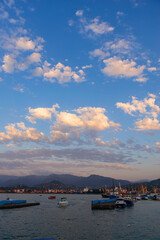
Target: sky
(79,88)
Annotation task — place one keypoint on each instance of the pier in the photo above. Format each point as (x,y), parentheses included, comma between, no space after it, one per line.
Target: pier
(18,205)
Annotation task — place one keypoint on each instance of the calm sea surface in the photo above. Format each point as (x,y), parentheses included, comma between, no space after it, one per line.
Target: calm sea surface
(77,220)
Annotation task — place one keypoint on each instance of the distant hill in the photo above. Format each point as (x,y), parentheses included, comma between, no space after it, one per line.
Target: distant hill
(96,181)
(54,185)
(142,181)
(30,181)
(149,185)
(93,181)
(5,178)
(155,182)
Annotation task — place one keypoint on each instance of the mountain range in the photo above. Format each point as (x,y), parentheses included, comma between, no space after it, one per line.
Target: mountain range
(92,181)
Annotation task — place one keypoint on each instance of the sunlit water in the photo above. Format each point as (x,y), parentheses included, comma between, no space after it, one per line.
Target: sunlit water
(77,220)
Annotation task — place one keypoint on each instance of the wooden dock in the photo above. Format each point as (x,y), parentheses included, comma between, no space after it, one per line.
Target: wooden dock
(18,205)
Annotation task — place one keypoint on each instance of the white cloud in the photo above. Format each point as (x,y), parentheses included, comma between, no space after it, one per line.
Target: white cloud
(86,118)
(23,51)
(9,63)
(38,71)
(118,46)
(122,68)
(34,57)
(146,107)
(13,43)
(141,106)
(87,66)
(141,79)
(99,53)
(74,126)
(78,127)
(147,124)
(60,135)
(63,74)
(98,27)
(151,69)
(24,43)
(19,133)
(41,113)
(79,13)
(94,27)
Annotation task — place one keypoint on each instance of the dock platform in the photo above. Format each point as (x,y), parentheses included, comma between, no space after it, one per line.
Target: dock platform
(18,205)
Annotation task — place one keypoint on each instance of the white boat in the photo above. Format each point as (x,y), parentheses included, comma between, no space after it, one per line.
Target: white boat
(63,202)
(138,198)
(120,203)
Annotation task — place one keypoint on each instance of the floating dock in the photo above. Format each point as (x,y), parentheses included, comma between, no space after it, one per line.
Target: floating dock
(103,204)
(18,205)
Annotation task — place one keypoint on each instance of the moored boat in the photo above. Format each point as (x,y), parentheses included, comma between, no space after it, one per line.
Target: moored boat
(138,198)
(144,197)
(129,201)
(156,197)
(104,195)
(120,203)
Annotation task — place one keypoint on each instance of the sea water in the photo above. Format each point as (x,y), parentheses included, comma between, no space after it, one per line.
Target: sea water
(78,221)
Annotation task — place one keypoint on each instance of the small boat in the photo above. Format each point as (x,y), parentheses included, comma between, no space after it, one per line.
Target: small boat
(120,203)
(63,202)
(51,197)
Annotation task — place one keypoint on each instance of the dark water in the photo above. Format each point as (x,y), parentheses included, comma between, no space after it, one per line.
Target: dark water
(77,221)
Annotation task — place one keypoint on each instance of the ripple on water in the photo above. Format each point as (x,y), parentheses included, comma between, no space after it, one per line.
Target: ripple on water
(77,221)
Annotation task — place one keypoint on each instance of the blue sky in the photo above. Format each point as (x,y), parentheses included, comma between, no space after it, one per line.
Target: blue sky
(80,88)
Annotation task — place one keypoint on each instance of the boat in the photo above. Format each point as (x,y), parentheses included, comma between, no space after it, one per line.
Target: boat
(137,198)
(144,197)
(129,201)
(108,196)
(104,195)
(51,197)
(120,203)
(103,204)
(63,202)
(156,197)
